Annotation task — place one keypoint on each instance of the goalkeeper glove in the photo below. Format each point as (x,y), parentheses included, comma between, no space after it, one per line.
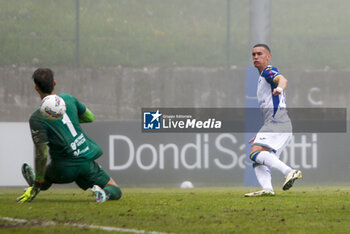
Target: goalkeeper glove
(30,193)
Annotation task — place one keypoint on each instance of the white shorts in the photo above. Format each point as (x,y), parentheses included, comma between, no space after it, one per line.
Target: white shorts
(276,142)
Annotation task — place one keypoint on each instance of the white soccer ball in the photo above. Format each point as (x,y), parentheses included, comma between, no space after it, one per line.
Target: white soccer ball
(52,107)
(186,185)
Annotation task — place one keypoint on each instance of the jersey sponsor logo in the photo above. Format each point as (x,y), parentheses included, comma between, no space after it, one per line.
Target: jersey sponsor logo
(274,72)
(35,136)
(78,151)
(77,143)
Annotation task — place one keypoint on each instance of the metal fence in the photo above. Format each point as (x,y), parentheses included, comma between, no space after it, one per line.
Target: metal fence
(127,33)
(209,33)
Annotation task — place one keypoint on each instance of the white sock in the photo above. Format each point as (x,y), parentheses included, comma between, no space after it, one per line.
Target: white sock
(270,159)
(263,174)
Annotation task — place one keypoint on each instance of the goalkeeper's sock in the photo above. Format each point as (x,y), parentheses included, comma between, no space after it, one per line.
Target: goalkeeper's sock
(270,159)
(113,192)
(263,174)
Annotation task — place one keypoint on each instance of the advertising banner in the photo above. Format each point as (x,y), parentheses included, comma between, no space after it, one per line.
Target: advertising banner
(137,159)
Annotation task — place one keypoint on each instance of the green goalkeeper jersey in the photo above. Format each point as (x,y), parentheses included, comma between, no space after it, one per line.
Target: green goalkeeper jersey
(65,137)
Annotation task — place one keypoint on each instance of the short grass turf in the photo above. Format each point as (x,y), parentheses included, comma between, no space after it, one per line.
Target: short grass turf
(199,210)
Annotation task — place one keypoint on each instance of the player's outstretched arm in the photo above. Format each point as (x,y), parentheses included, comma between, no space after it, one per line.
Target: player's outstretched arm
(87,117)
(41,155)
(281,82)
(251,140)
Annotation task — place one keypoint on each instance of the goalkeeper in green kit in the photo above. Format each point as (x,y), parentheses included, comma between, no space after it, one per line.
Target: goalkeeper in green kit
(73,154)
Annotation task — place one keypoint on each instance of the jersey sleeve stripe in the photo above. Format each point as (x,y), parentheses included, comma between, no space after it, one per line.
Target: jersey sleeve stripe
(274,81)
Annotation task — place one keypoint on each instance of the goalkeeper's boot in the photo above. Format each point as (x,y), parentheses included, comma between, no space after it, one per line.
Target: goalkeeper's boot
(101,195)
(290,178)
(260,193)
(28,174)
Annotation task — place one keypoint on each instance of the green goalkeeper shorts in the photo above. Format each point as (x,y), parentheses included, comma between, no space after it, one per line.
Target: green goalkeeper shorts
(84,174)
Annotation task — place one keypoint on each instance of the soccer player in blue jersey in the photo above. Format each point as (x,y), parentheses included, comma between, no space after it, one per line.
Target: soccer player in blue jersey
(72,153)
(276,132)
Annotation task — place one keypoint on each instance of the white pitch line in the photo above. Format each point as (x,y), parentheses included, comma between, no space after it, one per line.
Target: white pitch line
(105,228)
(14,220)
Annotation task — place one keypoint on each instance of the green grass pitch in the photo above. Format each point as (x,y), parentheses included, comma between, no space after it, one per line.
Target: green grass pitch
(172,210)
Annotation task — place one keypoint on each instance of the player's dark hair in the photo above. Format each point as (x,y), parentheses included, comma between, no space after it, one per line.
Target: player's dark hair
(43,78)
(263,45)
